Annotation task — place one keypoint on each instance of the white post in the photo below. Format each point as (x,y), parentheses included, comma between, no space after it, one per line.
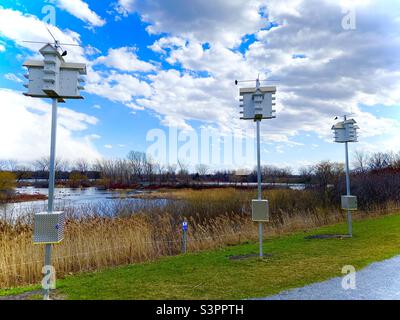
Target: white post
(349,218)
(50,203)
(260,226)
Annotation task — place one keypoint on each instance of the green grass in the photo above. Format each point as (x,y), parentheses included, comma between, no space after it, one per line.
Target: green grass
(18,290)
(294,262)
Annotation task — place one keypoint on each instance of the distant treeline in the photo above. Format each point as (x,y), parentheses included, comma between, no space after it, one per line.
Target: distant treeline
(374,175)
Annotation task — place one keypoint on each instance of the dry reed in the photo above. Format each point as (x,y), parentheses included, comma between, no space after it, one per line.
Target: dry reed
(216,218)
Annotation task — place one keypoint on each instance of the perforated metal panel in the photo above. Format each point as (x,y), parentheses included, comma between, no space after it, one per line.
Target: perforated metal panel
(49,227)
(349,202)
(260,210)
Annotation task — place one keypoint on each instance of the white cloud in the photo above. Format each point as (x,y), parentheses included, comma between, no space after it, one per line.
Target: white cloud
(167,42)
(97,106)
(218,21)
(21,27)
(118,87)
(108,146)
(12,77)
(124,59)
(26,124)
(341,69)
(91,51)
(2,48)
(181,97)
(81,10)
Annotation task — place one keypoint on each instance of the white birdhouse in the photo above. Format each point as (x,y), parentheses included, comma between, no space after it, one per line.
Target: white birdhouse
(257,103)
(345,131)
(53,77)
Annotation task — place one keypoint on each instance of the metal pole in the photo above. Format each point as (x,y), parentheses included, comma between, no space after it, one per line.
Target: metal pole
(349,218)
(260,226)
(52,155)
(184,246)
(47,259)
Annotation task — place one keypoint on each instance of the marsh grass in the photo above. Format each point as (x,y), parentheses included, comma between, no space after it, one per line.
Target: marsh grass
(216,217)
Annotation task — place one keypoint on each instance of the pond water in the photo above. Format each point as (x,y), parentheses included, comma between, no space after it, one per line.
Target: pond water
(86,201)
(78,199)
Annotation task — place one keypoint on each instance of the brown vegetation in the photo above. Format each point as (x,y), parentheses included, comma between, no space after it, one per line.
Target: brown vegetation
(216,217)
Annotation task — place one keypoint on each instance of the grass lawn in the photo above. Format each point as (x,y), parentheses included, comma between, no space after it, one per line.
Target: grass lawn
(294,262)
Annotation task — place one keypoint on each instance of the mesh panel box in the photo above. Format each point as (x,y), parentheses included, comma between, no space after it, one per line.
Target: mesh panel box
(349,202)
(260,210)
(49,227)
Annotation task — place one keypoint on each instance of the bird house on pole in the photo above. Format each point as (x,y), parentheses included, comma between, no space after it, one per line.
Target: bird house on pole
(257,103)
(52,77)
(345,131)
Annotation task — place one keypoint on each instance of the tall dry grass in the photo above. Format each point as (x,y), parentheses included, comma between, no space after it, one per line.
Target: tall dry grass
(216,217)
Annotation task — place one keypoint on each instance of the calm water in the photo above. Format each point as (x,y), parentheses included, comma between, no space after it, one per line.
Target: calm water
(92,201)
(79,199)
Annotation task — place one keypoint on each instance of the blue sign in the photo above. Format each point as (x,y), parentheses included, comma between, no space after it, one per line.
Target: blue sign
(184,225)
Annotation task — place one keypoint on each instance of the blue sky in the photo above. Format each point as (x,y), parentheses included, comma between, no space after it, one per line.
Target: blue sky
(153,63)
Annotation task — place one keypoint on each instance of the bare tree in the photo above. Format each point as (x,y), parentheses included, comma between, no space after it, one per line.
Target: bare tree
(12,164)
(396,161)
(202,169)
(137,162)
(42,164)
(379,160)
(81,165)
(306,173)
(149,168)
(360,162)
(327,172)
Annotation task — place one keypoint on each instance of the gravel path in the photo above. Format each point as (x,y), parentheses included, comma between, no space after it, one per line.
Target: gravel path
(378,281)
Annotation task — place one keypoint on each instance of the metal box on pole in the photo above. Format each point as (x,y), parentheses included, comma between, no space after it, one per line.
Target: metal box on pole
(260,210)
(349,202)
(49,227)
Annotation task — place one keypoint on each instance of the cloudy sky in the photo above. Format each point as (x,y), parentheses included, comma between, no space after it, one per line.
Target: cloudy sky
(159,63)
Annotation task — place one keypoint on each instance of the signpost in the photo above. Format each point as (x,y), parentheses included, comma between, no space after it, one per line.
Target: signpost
(257,104)
(52,78)
(345,132)
(184,238)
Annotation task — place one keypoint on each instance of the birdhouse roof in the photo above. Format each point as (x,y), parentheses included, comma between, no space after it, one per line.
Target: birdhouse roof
(33,63)
(50,49)
(341,124)
(80,67)
(270,89)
